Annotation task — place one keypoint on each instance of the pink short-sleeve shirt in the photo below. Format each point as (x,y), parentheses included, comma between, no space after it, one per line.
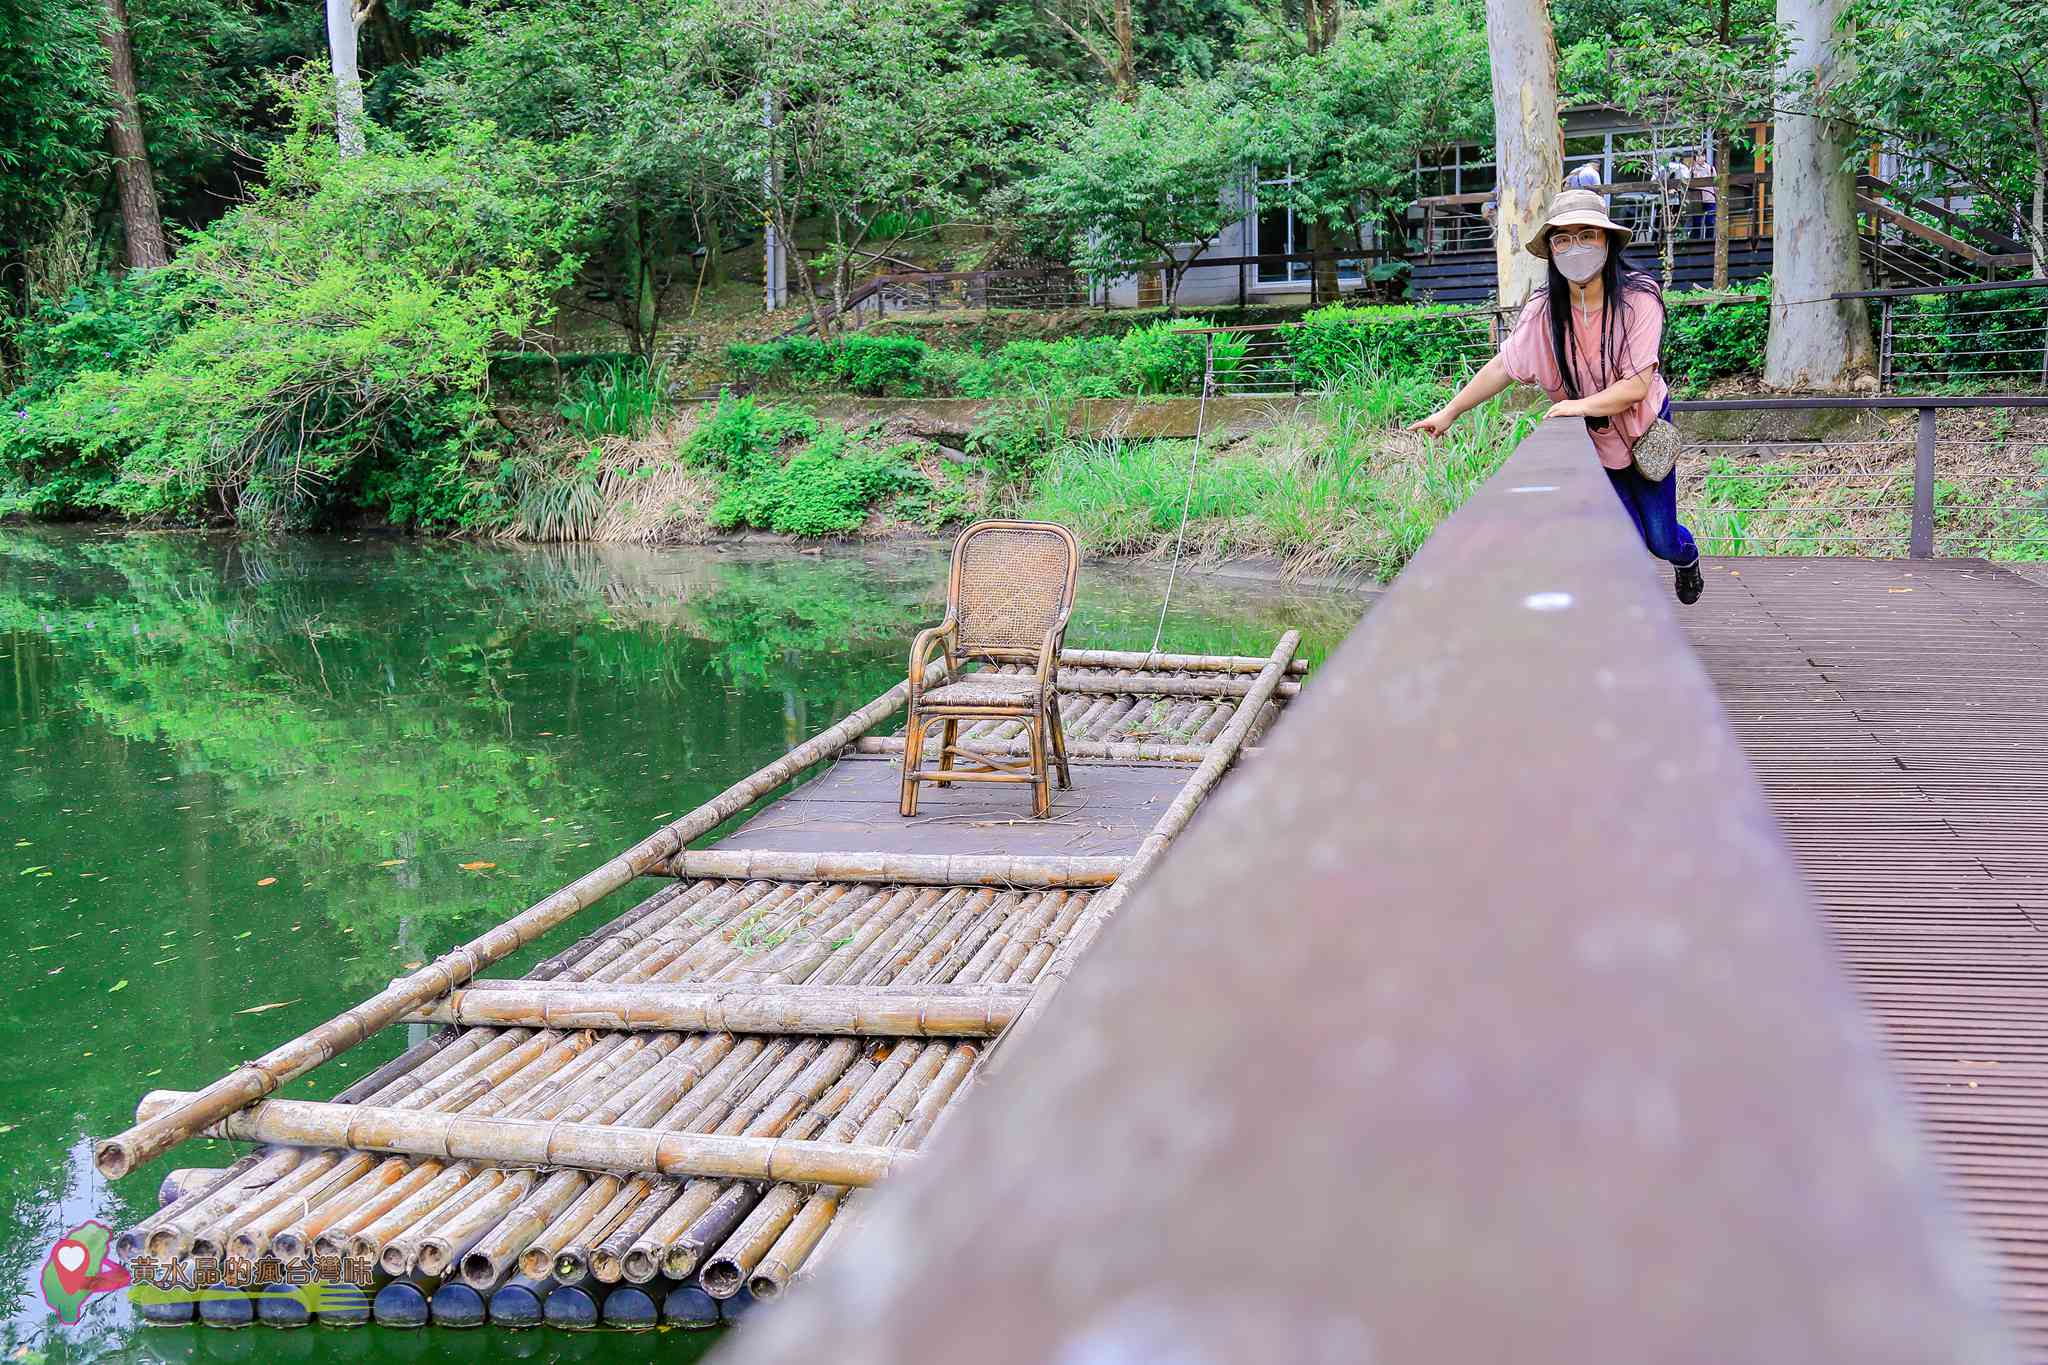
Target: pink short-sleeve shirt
(1530,359)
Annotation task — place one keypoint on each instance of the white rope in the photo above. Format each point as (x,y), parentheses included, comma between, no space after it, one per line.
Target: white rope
(1188,495)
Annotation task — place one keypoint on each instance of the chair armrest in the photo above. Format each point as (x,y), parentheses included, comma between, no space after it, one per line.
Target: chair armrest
(1049,651)
(943,635)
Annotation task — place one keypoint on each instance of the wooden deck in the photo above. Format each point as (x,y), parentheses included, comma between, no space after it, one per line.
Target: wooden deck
(852,809)
(1897,713)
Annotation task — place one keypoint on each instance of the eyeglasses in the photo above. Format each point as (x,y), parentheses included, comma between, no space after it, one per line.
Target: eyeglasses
(1564,240)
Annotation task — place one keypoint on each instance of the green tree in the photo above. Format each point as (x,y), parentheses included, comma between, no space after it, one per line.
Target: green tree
(866,118)
(1404,77)
(1716,71)
(1147,182)
(327,349)
(616,89)
(1959,89)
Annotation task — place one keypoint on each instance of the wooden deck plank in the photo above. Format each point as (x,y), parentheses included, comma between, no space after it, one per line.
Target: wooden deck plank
(1925,841)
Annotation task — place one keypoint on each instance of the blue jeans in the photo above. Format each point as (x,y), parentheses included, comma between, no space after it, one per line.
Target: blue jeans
(1653,507)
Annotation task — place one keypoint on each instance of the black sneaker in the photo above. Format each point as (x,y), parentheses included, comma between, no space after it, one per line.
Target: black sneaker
(1688,583)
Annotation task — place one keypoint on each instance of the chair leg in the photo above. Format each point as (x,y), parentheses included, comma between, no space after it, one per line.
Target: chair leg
(913,758)
(949,735)
(1041,786)
(1059,744)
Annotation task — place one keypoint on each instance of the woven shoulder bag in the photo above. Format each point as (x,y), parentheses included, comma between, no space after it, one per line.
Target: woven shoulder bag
(1655,452)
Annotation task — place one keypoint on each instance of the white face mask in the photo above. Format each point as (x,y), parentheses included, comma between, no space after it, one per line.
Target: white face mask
(1580,263)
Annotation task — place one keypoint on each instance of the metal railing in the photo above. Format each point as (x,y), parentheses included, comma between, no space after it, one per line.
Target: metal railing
(1456,222)
(1921,492)
(1990,332)
(1483,1015)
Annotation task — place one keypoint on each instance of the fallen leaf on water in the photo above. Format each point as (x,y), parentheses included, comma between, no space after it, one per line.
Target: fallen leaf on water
(477,867)
(244,934)
(391,862)
(267,881)
(120,985)
(1898,590)
(265,1009)
(410,966)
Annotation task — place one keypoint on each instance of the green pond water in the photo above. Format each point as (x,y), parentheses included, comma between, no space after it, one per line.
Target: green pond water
(242,779)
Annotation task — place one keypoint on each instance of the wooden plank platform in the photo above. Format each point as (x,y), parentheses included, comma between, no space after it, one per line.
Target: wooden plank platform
(1897,713)
(852,808)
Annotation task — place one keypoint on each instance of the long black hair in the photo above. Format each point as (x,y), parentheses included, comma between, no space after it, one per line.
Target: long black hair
(1621,278)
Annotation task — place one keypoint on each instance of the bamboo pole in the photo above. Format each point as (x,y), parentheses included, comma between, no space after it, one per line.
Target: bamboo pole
(1082,685)
(122,1153)
(231,1182)
(1123,752)
(784,1253)
(1171,663)
(882,1012)
(926,869)
(1170,824)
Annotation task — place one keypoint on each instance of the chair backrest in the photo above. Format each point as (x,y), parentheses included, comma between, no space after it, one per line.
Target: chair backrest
(1011,580)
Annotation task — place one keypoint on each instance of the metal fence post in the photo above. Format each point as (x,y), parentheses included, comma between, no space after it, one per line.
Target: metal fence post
(1884,353)
(1922,544)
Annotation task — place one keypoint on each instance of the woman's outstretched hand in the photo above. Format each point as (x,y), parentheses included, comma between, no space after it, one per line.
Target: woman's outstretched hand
(1436,424)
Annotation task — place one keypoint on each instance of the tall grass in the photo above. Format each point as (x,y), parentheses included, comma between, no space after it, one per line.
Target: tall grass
(1348,489)
(617,398)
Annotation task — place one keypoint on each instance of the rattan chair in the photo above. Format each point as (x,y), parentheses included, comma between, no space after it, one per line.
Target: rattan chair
(1007,602)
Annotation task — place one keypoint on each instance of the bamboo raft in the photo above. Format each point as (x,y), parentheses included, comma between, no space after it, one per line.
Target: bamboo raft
(665,1121)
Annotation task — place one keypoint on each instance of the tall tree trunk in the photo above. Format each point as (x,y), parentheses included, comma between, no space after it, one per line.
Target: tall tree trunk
(1323,283)
(641,303)
(1124,74)
(1722,151)
(1814,343)
(142,217)
(348,83)
(1528,139)
(1320,22)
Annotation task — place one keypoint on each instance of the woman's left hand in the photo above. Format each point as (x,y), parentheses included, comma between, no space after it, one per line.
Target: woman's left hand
(1570,407)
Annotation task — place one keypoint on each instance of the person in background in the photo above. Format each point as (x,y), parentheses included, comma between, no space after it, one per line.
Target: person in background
(1584,176)
(1592,339)
(1703,178)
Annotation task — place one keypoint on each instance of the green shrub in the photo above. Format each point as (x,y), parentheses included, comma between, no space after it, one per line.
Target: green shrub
(826,488)
(741,433)
(881,366)
(110,324)
(1710,341)
(1340,340)
(1162,357)
(790,364)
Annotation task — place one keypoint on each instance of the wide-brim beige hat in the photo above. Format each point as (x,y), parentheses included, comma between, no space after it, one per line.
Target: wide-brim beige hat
(1577,208)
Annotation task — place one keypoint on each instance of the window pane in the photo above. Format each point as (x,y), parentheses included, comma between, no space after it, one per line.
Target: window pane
(1273,241)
